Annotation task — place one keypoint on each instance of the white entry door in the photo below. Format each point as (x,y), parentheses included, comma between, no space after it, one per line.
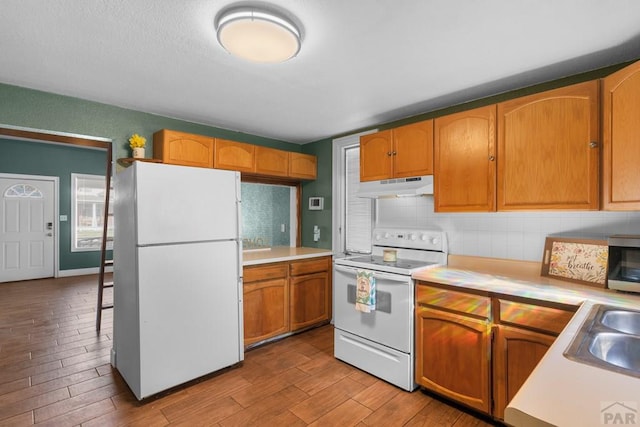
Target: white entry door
(27,228)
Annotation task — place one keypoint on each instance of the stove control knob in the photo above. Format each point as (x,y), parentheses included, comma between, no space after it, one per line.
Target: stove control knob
(377,236)
(424,237)
(412,236)
(434,241)
(386,235)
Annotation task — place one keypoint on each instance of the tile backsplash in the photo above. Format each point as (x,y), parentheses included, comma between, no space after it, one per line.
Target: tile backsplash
(508,235)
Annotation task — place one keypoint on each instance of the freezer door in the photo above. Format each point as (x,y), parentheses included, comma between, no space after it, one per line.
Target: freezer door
(189,312)
(185,204)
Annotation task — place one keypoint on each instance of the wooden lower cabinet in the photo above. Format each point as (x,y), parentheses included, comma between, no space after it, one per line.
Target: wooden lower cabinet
(452,357)
(453,343)
(265,302)
(480,349)
(309,292)
(284,297)
(516,352)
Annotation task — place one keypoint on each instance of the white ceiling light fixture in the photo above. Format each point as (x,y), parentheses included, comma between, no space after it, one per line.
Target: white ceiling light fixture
(258,35)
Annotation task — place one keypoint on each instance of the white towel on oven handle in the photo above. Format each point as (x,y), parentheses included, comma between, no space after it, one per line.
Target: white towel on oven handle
(365,291)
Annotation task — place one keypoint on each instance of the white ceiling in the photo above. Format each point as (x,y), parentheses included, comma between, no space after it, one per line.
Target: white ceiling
(362,62)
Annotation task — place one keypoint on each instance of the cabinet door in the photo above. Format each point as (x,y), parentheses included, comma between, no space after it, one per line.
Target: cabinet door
(266,310)
(516,353)
(179,148)
(413,149)
(310,302)
(547,150)
(235,156)
(621,127)
(272,162)
(452,356)
(303,166)
(464,163)
(376,156)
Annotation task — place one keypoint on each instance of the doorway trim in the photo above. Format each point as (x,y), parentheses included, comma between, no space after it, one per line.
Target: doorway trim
(56,215)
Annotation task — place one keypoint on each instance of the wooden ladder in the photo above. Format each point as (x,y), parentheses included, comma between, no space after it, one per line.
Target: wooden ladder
(104,262)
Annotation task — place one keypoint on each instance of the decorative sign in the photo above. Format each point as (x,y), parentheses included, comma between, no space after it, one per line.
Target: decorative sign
(576,260)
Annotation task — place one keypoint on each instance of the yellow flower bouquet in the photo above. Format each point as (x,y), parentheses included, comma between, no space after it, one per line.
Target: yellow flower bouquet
(137,141)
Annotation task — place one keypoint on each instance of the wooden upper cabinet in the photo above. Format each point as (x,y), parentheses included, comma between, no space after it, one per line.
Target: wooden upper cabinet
(464,161)
(272,162)
(621,139)
(235,156)
(396,153)
(303,166)
(413,150)
(548,150)
(375,156)
(180,148)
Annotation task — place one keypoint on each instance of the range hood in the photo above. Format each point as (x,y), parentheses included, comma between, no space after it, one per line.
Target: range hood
(412,186)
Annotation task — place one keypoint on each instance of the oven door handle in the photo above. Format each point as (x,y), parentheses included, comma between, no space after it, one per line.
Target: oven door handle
(378,275)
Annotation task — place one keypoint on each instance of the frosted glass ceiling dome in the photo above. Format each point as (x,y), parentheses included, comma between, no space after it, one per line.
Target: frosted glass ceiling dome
(258,35)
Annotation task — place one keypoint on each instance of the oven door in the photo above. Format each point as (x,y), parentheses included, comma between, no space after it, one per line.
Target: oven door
(391,323)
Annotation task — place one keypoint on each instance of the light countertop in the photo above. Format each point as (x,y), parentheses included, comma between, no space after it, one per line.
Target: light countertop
(559,391)
(281,253)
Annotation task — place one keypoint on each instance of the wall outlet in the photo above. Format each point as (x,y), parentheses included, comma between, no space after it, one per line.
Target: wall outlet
(283,228)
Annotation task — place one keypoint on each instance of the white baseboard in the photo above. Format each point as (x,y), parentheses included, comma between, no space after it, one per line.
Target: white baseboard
(83,271)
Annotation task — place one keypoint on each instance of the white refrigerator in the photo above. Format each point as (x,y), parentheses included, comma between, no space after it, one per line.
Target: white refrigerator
(177,275)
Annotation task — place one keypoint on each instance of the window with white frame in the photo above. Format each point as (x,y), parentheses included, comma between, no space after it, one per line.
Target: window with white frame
(87,213)
(353,216)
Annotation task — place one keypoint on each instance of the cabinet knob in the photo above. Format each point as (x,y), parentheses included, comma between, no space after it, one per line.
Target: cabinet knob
(388,153)
(394,153)
(492,158)
(593,144)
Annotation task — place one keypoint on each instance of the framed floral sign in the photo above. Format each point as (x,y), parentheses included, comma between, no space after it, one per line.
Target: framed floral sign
(576,260)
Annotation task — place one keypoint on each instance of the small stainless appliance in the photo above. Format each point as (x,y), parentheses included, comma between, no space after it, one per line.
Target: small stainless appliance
(382,342)
(624,263)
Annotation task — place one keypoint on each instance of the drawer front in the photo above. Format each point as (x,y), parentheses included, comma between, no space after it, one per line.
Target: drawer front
(459,302)
(264,272)
(315,265)
(547,319)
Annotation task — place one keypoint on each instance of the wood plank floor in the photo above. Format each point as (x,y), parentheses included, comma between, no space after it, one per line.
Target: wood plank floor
(55,371)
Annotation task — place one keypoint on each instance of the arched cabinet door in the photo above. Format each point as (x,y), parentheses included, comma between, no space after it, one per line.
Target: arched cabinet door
(621,145)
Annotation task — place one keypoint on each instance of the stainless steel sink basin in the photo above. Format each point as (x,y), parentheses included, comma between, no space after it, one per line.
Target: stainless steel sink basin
(622,320)
(621,350)
(609,339)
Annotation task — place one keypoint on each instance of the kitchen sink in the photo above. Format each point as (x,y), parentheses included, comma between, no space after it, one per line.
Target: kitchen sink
(617,349)
(622,320)
(609,339)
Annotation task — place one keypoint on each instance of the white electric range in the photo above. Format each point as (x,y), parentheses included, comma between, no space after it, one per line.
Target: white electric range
(382,342)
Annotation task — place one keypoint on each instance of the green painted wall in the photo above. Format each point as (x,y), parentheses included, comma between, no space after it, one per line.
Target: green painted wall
(32,158)
(47,111)
(322,186)
(50,112)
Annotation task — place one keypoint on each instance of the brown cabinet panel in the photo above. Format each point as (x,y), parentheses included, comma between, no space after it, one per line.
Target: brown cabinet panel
(413,149)
(464,161)
(180,148)
(235,156)
(376,151)
(264,272)
(313,265)
(621,139)
(546,159)
(452,356)
(310,300)
(271,162)
(459,302)
(516,353)
(532,316)
(266,310)
(404,151)
(303,166)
